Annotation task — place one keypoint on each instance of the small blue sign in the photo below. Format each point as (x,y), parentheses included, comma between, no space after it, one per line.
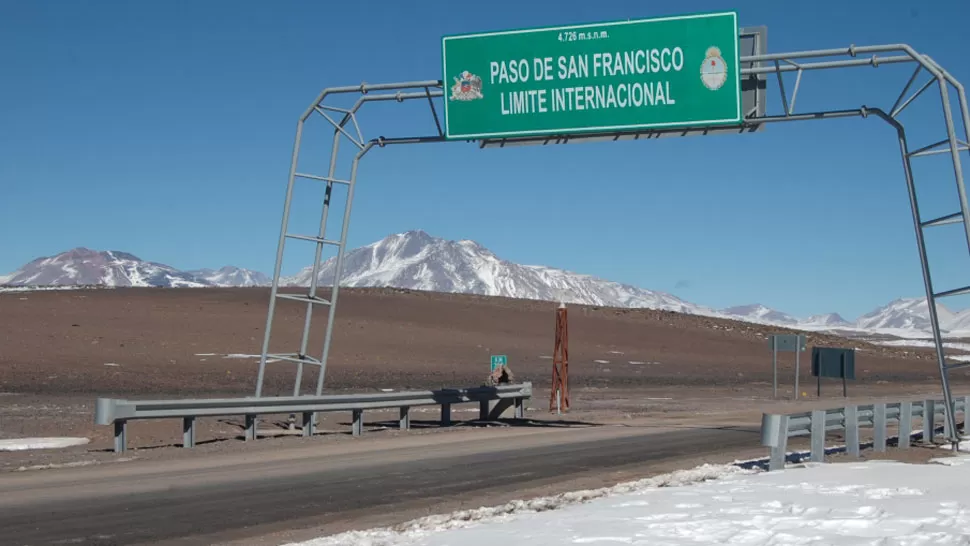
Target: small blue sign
(498,360)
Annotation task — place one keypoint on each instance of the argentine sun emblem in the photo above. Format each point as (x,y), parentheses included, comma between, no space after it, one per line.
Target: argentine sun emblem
(713,69)
(467,87)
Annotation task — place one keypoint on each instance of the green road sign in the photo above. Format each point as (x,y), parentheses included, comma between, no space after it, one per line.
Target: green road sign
(498,360)
(603,77)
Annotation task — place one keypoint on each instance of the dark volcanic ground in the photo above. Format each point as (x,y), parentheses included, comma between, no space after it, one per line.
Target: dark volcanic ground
(143,341)
(60,350)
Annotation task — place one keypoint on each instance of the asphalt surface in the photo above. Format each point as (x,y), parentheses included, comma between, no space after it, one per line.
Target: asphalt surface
(195,504)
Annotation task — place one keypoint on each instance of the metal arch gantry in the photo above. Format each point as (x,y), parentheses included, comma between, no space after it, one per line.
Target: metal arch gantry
(758,66)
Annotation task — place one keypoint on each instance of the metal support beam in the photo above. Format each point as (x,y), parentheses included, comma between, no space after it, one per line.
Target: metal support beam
(899,109)
(446,415)
(851,424)
(818,436)
(905,425)
(188,432)
(779,448)
(879,428)
(905,90)
(966,413)
(121,436)
(338,266)
(954,218)
(924,261)
(251,422)
(929,421)
(358,426)
(308,424)
(954,292)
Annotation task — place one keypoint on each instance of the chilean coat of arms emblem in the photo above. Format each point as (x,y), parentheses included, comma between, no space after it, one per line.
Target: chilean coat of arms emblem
(467,87)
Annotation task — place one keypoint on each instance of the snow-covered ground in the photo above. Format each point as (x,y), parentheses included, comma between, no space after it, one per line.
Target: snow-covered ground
(23,444)
(43,288)
(922,343)
(882,503)
(925,343)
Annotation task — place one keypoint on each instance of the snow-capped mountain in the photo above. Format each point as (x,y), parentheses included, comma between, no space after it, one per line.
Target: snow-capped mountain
(231,276)
(82,266)
(416,260)
(760,314)
(905,314)
(960,321)
(829,320)
(86,267)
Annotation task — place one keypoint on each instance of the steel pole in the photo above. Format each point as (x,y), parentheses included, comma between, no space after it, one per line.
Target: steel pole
(338,266)
(315,268)
(279,258)
(925,266)
(955,157)
(774,368)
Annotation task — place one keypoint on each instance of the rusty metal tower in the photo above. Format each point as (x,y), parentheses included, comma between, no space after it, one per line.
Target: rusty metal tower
(559,395)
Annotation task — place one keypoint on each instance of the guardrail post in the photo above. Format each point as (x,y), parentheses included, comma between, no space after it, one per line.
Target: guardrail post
(879,428)
(483,407)
(966,411)
(188,432)
(947,433)
(104,411)
(818,436)
(446,415)
(851,424)
(519,408)
(308,424)
(250,427)
(780,448)
(358,422)
(121,436)
(905,424)
(405,422)
(929,421)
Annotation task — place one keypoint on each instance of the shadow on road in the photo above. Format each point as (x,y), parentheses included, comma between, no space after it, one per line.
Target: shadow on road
(480,423)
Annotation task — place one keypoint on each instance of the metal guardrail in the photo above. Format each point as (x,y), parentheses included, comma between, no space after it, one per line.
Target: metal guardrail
(112,411)
(777,429)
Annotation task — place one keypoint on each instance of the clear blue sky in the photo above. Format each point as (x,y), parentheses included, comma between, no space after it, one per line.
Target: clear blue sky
(165,129)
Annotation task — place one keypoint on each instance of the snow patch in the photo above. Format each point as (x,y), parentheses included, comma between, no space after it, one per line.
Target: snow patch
(861,503)
(24,444)
(922,343)
(426,526)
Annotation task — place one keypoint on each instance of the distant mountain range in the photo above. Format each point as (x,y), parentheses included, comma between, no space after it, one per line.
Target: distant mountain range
(85,267)
(418,261)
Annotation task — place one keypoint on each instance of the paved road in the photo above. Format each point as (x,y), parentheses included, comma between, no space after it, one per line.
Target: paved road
(246,496)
